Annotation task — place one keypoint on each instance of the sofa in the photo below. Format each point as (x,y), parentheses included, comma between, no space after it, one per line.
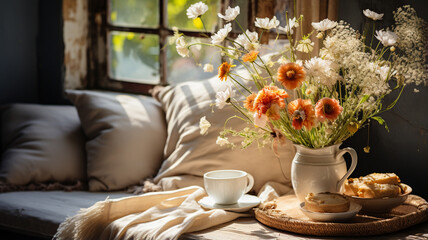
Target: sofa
(59,159)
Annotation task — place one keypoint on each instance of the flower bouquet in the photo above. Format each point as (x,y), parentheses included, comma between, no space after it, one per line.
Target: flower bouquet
(316,101)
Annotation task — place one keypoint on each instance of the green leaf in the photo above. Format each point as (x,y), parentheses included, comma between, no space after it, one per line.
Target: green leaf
(395,101)
(364,99)
(381,121)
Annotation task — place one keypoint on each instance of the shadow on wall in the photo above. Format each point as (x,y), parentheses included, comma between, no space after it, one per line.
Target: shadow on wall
(31,47)
(404,149)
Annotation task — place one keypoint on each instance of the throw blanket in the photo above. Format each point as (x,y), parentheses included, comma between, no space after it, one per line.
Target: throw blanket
(157,215)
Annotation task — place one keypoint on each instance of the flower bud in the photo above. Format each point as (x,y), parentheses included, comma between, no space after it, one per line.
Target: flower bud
(320,35)
(392,49)
(367,149)
(400,79)
(353,127)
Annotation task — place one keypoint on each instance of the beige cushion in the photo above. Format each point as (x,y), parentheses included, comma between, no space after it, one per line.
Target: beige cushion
(125,137)
(189,155)
(41,143)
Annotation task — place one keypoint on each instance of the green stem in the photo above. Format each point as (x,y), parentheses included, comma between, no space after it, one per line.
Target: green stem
(377,46)
(290,41)
(259,86)
(239,83)
(203,24)
(382,52)
(295,9)
(239,90)
(267,69)
(215,45)
(373,32)
(261,35)
(393,103)
(242,30)
(246,116)
(234,42)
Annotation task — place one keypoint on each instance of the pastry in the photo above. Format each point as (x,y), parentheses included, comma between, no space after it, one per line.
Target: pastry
(374,185)
(351,186)
(383,178)
(326,202)
(376,190)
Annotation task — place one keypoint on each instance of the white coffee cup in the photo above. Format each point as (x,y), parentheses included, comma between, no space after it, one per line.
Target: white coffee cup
(227,186)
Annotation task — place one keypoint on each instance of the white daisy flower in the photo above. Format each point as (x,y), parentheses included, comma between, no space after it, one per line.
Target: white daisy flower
(373,15)
(384,72)
(204,125)
(322,71)
(324,25)
(292,23)
(267,24)
(282,60)
(299,62)
(260,121)
(223,97)
(387,38)
(230,14)
(305,45)
(221,34)
(208,68)
(249,44)
(222,141)
(181,47)
(196,10)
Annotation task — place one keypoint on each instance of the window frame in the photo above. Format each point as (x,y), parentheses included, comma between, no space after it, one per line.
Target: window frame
(99,26)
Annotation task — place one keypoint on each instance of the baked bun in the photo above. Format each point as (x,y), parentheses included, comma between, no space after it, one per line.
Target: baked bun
(376,190)
(351,186)
(326,202)
(374,185)
(383,178)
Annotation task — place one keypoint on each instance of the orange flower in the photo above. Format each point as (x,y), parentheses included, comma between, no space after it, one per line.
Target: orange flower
(224,70)
(302,114)
(327,108)
(291,75)
(269,101)
(249,102)
(250,57)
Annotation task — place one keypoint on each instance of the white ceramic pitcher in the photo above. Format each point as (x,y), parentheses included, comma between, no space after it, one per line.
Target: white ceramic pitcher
(320,170)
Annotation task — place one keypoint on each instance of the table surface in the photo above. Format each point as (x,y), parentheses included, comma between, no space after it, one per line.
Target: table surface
(250,228)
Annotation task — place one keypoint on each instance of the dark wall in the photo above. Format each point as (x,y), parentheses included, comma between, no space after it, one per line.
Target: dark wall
(31,52)
(404,149)
(18,51)
(50,53)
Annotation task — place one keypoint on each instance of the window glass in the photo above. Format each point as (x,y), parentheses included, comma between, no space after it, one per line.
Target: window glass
(242,18)
(281,7)
(177,15)
(181,69)
(134,13)
(134,57)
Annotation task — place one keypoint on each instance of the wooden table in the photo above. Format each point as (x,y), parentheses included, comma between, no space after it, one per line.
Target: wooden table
(250,228)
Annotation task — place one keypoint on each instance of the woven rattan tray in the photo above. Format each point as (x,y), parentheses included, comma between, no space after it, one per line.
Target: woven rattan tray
(284,214)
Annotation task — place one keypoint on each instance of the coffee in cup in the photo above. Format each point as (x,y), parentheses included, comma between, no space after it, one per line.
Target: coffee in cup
(227,186)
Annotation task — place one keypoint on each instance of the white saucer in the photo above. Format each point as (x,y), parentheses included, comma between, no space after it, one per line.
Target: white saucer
(354,208)
(245,203)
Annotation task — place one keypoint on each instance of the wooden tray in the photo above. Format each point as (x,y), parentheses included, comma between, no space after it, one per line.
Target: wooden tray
(286,215)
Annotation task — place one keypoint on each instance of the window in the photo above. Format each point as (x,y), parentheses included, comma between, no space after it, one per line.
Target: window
(130,48)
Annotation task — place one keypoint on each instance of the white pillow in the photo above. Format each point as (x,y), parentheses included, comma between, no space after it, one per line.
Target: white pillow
(189,155)
(125,137)
(41,143)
